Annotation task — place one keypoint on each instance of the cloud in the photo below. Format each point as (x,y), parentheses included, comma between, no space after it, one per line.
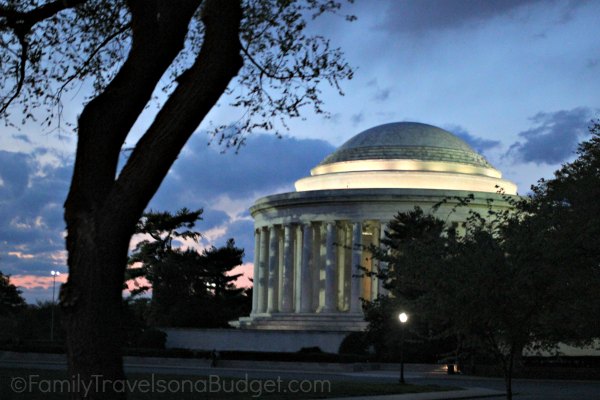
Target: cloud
(227,184)
(22,137)
(247,269)
(263,165)
(33,188)
(38,288)
(35,281)
(357,118)
(592,63)
(554,138)
(382,94)
(14,173)
(423,16)
(479,144)
(243,233)
(334,118)
(31,224)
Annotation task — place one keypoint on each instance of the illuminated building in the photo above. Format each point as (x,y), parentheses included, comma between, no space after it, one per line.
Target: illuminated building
(308,243)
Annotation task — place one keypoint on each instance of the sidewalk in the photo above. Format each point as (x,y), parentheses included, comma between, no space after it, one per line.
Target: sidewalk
(54,361)
(468,393)
(201,363)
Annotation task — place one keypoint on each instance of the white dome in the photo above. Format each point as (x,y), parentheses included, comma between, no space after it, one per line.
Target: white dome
(406,155)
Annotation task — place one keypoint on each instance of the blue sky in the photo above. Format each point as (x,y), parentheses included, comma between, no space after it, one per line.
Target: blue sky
(518,80)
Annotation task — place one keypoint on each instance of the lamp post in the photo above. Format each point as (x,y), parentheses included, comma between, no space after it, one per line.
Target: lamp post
(54,275)
(403,317)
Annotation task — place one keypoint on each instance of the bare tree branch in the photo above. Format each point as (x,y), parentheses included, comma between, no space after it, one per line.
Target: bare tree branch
(106,121)
(183,111)
(271,75)
(20,74)
(94,52)
(22,21)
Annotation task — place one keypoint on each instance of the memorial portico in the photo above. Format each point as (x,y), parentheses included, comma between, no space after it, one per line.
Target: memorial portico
(311,243)
(317,249)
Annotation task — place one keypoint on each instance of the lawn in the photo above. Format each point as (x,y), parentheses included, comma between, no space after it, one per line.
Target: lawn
(50,384)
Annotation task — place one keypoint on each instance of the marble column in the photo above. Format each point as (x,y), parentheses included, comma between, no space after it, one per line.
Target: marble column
(382,265)
(330,268)
(273,269)
(288,270)
(298,267)
(305,273)
(342,267)
(255,271)
(321,252)
(279,283)
(375,265)
(316,264)
(263,272)
(355,286)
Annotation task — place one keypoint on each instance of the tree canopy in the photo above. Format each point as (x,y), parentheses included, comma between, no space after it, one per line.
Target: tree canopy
(189,288)
(162,228)
(49,48)
(10,296)
(260,53)
(504,281)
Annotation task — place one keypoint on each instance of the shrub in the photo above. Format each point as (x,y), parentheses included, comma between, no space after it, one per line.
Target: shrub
(310,350)
(152,338)
(355,343)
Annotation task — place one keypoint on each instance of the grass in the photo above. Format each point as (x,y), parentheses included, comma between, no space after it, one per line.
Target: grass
(168,386)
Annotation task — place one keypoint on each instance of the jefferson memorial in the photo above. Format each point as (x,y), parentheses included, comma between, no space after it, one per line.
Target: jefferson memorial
(309,243)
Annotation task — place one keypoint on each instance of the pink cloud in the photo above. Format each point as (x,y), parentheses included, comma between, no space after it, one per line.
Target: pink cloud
(136,283)
(248,270)
(37,281)
(20,255)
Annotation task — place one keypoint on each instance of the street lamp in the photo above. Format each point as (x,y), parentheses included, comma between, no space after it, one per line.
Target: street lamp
(403,317)
(54,275)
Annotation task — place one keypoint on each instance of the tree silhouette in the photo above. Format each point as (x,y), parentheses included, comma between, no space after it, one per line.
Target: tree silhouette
(189,289)
(127,50)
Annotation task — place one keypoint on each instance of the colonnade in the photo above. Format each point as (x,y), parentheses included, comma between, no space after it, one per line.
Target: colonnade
(313,267)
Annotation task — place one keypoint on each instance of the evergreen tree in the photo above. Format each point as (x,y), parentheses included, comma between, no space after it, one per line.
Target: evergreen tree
(521,278)
(10,296)
(11,305)
(188,288)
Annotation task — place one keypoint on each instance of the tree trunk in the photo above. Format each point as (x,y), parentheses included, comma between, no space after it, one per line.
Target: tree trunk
(92,308)
(508,384)
(508,372)
(102,210)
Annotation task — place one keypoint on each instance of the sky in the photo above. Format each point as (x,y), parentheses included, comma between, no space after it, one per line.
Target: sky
(517,80)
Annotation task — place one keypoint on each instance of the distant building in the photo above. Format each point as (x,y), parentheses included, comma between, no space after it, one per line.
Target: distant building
(308,243)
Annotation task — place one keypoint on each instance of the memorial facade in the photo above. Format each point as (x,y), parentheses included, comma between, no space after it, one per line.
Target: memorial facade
(310,243)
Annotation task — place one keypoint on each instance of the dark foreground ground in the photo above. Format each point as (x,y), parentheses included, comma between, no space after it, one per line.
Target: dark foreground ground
(345,379)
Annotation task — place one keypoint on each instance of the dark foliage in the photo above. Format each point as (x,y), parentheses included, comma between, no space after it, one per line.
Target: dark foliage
(152,338)
(11,300)
(127,51)
(354,343)
(527,277)
(189,289)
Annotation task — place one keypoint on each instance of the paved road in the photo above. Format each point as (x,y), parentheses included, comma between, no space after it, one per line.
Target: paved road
(524,389)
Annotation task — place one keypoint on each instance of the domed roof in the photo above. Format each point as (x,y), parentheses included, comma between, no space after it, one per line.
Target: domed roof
(406,140)
(405,155)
